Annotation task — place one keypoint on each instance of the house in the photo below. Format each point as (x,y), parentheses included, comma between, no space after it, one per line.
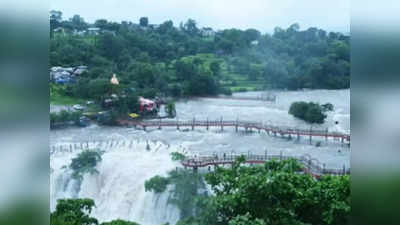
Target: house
(93,31)
(207,32)
(61,75)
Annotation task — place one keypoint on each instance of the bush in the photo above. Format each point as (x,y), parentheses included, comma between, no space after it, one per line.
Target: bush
(157,184)
(176,156)
(309,112)
(327,107)
(85,162)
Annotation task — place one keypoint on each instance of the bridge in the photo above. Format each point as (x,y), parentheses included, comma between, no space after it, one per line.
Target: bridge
(248,125)
(311,166)
(265,98)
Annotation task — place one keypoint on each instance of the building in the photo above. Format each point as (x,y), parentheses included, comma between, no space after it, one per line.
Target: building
(93,31)
(207,32)
(62,75)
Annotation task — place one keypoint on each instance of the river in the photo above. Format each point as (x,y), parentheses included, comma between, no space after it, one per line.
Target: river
(118,189)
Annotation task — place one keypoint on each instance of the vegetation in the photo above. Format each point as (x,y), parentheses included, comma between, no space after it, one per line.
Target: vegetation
(73,212)
(184,61)
(85,162)
(157,184)
(77,212)
(176,156)
(310,112)
(64,116)
(275,194)
(170,109)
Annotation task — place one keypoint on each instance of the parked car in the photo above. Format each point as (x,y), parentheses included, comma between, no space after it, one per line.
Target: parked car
(78,107)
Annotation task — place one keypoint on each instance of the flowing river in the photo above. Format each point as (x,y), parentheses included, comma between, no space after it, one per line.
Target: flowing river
(136,155)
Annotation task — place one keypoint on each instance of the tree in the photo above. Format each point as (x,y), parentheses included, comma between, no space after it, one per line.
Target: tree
(170,109)
(99,87)
(309,112)
(277,193)
(144,21)
(73,212)
(78,23)
(85,162)
(119,222)
(190,27)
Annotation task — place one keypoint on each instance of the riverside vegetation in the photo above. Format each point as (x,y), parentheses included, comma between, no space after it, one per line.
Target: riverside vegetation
(276,193)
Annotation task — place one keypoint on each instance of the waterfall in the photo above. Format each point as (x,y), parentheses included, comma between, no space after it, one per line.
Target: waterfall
(118,188)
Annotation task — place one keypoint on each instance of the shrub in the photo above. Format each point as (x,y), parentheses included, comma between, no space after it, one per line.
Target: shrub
(157,184)
(176,156)
(85,162)
(309,112)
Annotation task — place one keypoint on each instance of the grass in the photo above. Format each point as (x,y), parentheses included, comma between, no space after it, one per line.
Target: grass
(58,98)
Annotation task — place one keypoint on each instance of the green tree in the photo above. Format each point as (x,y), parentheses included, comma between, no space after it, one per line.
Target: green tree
(144,21)
(119,222)
(73,212)
(170,109)
(310,112)
(85,162)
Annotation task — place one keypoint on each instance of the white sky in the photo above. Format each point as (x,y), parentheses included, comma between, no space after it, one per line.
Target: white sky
(264,15)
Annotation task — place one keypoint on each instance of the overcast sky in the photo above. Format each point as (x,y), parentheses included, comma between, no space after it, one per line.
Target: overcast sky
(263,15)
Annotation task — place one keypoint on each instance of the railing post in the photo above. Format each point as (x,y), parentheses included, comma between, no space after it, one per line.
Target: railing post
(323,168)
(326,135)
(237,124)
(344,169)
(159,124)
(310,135)
(222,126)
(193,123)
(207,123)
(280,156)
(177,124)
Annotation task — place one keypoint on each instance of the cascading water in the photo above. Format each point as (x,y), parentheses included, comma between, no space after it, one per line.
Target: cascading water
(118,189)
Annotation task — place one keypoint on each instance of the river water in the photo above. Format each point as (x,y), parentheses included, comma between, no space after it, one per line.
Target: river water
(118,189)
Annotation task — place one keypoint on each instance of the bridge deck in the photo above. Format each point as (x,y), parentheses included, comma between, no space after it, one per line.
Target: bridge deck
(311,166)
(242,124)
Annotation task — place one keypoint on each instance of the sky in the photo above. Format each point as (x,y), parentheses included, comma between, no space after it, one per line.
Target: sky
(263,15)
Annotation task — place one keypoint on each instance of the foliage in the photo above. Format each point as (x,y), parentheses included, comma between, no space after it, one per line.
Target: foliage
(85,162)
(64,116)
(184,194)
(278,194)
(245,220)
(157,184)
(77,212)
(176,156)
(170,109)
(327,107)
(182,61)
(119,222)
(310,112)
(73,212)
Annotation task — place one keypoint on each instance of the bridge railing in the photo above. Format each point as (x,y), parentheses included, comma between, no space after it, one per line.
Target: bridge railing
(245,124)
(310,165)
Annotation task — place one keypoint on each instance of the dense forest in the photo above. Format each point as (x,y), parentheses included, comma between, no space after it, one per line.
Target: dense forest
(186,60)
